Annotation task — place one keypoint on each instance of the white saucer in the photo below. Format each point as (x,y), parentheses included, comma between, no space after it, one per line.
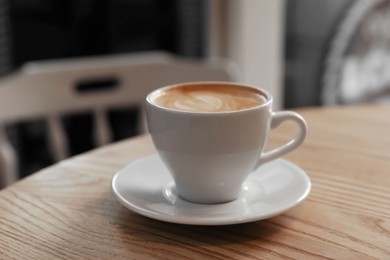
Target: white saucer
(146,187)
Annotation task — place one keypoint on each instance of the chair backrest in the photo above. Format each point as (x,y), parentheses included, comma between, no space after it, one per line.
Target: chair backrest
(53,89)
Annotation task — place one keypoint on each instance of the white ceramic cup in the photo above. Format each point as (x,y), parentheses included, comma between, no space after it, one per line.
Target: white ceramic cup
(210,154)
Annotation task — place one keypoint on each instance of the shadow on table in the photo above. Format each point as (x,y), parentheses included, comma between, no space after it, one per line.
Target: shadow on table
(134,228)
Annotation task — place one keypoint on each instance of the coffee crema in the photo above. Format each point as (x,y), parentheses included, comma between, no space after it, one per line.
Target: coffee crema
(209,98)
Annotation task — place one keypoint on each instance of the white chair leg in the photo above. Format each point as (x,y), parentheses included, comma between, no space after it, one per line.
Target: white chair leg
(102,128)
(142,126)
(8,161)
(58,142)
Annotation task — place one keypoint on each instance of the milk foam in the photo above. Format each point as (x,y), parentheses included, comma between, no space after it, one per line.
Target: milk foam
(209,98)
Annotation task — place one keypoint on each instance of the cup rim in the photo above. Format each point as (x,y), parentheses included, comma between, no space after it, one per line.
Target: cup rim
(265,93)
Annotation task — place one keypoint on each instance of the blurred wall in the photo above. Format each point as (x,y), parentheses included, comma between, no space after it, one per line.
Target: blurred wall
(251,33)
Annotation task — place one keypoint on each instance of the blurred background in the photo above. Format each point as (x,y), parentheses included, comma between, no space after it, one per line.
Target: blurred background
(307,53)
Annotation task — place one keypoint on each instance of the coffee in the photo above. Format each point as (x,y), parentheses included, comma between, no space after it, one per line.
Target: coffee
(209,98)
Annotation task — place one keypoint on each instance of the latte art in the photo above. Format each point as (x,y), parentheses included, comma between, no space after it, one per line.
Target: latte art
(209,98)
(199,101)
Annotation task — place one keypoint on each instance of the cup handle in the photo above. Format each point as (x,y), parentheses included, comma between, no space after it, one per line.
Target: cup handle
(277,119)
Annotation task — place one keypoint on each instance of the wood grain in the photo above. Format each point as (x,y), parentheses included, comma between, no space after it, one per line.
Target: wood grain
(67,211)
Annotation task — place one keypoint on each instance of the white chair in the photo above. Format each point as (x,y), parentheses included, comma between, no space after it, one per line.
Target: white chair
(48,90)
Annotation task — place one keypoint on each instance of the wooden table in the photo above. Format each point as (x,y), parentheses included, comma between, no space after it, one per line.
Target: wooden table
(68,210)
